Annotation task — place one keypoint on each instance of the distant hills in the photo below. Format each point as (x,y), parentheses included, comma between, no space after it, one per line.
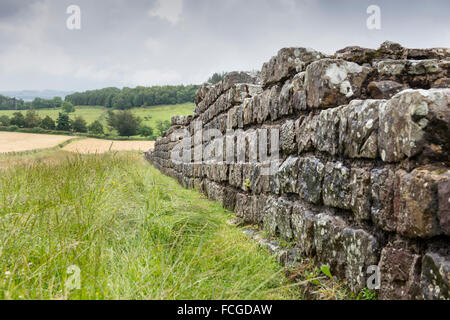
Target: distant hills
(29,95)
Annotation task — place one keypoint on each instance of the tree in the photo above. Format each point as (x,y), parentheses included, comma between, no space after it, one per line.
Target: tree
(4,121)
(217,77)
(162,126)
(63,122)
(68,107)
(57,102)
(96,127)
(32,119)
(79,125)
(48,123)
(125,122)
(18,120)
(145,131)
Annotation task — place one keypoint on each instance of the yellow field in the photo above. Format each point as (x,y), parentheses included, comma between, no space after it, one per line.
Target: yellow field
(101,146)
(17,142)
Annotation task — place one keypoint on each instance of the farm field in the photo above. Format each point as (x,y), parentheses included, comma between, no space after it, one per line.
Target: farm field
(18,142)
(86,146)
(149,115)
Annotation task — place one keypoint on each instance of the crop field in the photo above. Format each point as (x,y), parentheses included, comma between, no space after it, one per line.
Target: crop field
(86,146)
(18,142)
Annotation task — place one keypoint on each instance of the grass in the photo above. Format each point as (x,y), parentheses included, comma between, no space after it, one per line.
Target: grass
(132,232)
(149,115)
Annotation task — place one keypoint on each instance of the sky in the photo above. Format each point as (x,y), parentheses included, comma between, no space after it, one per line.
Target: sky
(158,42)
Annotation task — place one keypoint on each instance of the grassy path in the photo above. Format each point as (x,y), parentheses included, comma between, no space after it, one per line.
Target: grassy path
(131,232)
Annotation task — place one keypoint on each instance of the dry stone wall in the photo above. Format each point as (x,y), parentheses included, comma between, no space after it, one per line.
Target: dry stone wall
(362,174)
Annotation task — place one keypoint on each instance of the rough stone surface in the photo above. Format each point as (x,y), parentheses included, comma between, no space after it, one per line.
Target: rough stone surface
(384,89)
(400,274)
(435,276)
(333,82)
(417,208)
(286,62)
(415,122)
(336,185)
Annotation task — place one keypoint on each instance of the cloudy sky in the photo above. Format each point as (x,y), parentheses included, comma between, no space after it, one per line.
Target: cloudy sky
(155,42)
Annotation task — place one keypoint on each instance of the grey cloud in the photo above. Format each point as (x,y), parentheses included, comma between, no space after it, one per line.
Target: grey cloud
(122,44)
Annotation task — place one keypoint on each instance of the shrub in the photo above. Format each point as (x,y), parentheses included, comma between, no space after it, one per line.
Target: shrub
(96,127)
(79,125)
(48,123)
(4,121)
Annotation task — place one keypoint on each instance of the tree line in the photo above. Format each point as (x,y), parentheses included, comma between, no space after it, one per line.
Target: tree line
(115,98)
(7,103)
(123,121)
(128,98)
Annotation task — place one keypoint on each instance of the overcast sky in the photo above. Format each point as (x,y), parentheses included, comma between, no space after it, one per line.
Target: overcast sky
(156,42)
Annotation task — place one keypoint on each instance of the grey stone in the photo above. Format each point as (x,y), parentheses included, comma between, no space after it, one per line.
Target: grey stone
(310,176)
(287,137)
(415,122)
(287,62)
(336,190)
(435,277)
(333,82)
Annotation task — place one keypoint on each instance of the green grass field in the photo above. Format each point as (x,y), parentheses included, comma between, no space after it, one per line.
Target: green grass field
(149,115)
(130,231)
(126,231)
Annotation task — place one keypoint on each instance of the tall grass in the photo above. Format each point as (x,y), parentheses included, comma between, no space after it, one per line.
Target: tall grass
(132,232)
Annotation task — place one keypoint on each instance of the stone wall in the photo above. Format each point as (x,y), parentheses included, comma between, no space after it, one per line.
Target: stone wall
(362,175)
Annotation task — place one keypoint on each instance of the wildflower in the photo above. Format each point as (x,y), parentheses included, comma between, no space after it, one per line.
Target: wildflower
(103,190)
(7,273)
(113,182)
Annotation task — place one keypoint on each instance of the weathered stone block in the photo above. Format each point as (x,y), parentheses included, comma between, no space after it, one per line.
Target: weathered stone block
(287,137)
(417,209)
(391,68)
(229,198)
(243,207)
(287,62)
(382,192)
(415,122)
(302,221)
(333,82)
(360,252)
(305,130)
(435,277)
(384,89)
(325,134)
(358,129)
(310,176)
(235,174)
(399,273)
(287,175)
(336,190)
(360,193)
(277,220)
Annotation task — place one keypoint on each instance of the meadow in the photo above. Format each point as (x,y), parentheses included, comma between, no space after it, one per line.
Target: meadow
(110,226)
(150,115)
(131,232)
